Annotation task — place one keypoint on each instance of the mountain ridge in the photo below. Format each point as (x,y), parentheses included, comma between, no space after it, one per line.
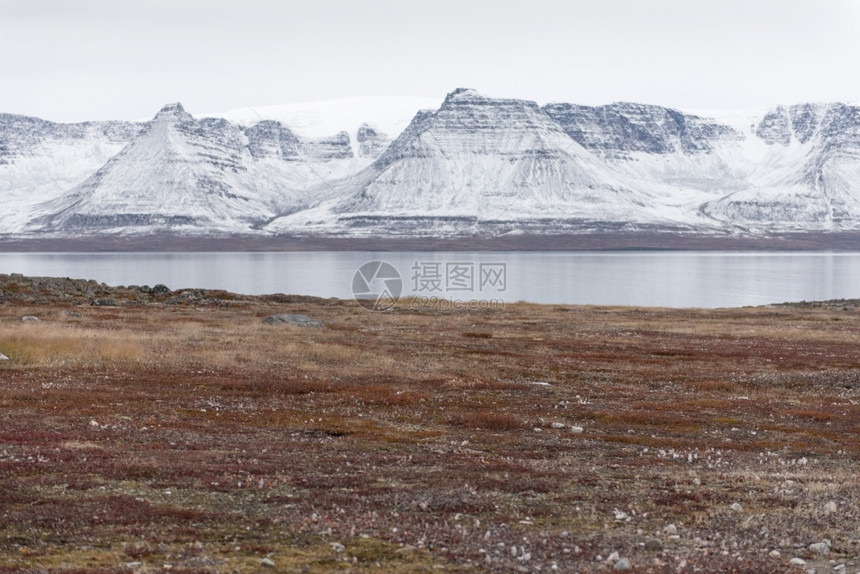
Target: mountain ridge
(474,166)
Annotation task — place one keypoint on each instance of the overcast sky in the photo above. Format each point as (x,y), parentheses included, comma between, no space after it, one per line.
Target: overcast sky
(70,60)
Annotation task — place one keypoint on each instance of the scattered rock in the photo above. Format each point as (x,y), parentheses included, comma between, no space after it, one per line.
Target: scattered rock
(576,430)
(267,563)
(653,544)
(103,303)
(94,423)
(621,516)
(822,547)
(3,357)
(623,564)
(736,507)
(73,314)
(830,507)
(797,562)
(558,425)
(30,319)
(160,290)
(337,547)
(294,320)
(774,554)
(670,530)
(133,564)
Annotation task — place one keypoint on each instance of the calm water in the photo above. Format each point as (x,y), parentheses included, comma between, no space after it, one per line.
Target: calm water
(673,279)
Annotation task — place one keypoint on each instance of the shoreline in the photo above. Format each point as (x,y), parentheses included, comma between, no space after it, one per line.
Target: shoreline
(615,241)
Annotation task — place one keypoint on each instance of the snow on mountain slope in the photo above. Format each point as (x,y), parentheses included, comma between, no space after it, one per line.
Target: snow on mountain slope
(655,144)
(388,116)
(196,176)
(682,158)
(39,160)
(808,178)
(474,165)
(484,161)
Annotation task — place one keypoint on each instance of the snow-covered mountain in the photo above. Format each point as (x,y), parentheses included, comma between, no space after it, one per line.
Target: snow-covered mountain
(809,177)
(198,176)
(474,165)
(480,164)
(40,160)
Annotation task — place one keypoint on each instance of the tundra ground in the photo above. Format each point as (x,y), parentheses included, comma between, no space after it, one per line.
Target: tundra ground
(192,437)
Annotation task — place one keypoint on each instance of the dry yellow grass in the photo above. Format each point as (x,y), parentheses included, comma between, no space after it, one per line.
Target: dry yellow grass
(46,344)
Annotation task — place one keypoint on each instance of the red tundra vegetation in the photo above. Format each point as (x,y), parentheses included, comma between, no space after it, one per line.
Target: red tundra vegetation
(174,431)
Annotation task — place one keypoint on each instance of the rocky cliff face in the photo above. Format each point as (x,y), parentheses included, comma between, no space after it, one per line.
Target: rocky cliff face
(616,130)
(371,141)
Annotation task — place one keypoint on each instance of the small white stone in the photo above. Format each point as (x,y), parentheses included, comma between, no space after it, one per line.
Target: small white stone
(576,430)
(670,530)
(267,563)
(774,554)
(797,562)
(613,557)
(830,507)
(3,357)
(623,564)
(820,547)
(94,423)
(337,547)
(558,425)
(736,507)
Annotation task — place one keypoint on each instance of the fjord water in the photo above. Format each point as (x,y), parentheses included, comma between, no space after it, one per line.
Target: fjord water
(666,279)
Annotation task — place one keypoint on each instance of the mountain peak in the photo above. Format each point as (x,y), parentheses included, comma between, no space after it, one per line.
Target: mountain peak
(464,94)
(171,111)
